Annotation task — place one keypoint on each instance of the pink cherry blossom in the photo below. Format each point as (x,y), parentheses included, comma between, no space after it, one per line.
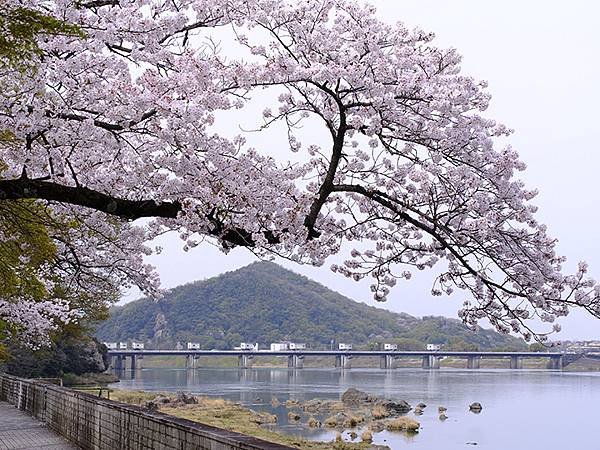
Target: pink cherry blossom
(119,126)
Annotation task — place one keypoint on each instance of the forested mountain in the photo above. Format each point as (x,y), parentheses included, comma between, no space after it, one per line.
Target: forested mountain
(264,303)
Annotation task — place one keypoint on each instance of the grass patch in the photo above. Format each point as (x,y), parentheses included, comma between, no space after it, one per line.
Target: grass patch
(231,416)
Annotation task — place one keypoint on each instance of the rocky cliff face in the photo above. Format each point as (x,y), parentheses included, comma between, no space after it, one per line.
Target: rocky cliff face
(161,327)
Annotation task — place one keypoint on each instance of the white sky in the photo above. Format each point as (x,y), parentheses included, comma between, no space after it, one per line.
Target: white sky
(541,59)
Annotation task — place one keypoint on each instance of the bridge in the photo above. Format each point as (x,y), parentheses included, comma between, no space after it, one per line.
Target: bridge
(132,359)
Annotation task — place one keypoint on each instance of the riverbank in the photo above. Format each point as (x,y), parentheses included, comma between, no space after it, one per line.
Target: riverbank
(228,415)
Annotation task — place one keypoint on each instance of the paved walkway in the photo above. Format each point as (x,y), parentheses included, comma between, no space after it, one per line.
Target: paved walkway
(21,431)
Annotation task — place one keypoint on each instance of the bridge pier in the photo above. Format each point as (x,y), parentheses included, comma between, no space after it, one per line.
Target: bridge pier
(473,362)
(118,362)
(388,362)
(516,362)
(191,361)
(425,363)
(133,362)
(246,361)
(431,362)
(296,361)
(343,361)
(556,363)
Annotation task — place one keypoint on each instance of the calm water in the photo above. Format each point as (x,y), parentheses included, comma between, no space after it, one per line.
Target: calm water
(523,409)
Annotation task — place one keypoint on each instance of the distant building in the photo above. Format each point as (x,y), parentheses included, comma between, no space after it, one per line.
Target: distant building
(433,347)
(390,347)
(346,347)
(110,345)
(137,346)
(193,346)
(123,345)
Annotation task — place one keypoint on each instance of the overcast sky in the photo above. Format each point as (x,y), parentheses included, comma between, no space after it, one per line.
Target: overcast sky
(541,59)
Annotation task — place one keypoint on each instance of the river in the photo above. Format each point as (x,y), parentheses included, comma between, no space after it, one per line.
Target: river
(522,409)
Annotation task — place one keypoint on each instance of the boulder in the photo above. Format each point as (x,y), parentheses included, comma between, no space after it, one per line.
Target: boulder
(161,400)
(403,423)
(186,399)
(399,407)
(366,436)
(376,427)
(354,397)
(293,416)
(264,417)
(292,403)
(443,417)
(151,406)
(475,407)
(313,423)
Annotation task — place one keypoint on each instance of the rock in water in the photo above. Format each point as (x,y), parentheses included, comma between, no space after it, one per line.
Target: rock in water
(403,424)
(314,423)
(400,407)
(475,407)
(354,397)
(442,409)
(443,417)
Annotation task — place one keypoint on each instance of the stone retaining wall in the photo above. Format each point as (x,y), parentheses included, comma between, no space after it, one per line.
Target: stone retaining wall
(96,423)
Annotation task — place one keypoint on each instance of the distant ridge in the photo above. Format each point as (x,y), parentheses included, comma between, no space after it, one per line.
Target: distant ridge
(264,303)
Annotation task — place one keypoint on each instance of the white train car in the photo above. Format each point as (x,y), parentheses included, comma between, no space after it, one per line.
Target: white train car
(248,346)
(122,345)
(280,346)
(390,347)
(433,347)
(137,346)
(110,345)
(193,346)
(296,346)
(344,347)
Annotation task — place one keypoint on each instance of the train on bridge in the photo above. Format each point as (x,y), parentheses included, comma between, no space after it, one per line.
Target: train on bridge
(389,358)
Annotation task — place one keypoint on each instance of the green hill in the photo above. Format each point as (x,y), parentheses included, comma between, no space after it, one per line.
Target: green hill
(265,303)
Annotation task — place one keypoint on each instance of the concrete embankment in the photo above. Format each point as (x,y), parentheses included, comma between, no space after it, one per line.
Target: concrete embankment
(97,423)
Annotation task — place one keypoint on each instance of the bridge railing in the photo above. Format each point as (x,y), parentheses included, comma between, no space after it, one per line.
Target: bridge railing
(96,423)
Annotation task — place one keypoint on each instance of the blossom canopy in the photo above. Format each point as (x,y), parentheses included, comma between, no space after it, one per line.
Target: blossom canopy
(121,123)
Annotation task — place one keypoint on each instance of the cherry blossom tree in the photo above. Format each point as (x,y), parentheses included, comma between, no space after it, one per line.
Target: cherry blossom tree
(121,124)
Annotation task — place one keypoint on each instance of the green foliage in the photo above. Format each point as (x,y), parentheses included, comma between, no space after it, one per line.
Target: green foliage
(22,258)
(538,347)
(265,303)
(71,352)
(20,30)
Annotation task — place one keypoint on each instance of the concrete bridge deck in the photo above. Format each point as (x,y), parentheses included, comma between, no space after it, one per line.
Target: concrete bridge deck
(21,431)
